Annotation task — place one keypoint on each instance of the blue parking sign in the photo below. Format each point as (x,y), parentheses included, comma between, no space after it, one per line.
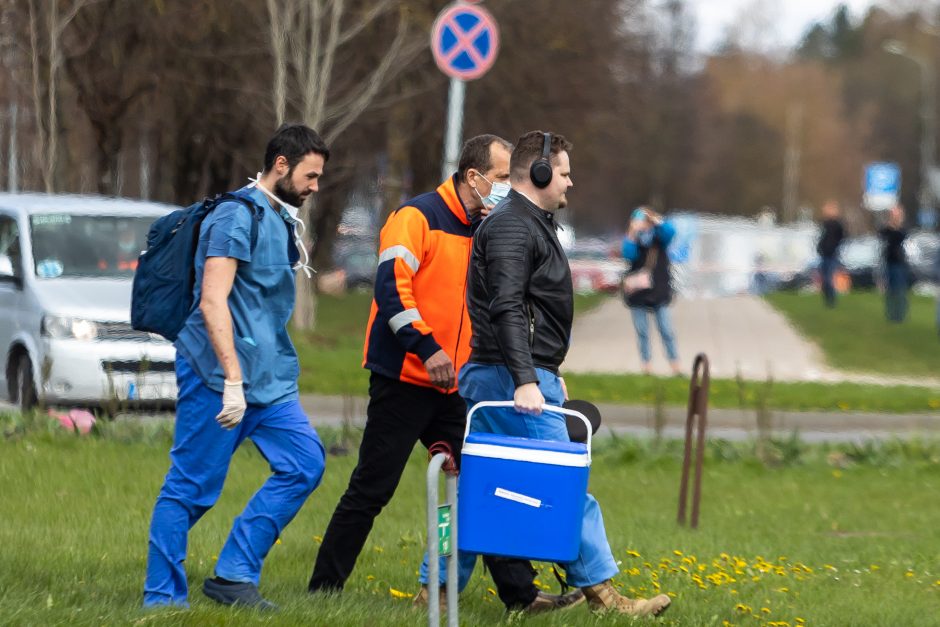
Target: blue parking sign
(882,185)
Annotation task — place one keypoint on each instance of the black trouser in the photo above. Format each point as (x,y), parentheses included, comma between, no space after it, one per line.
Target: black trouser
(399,415)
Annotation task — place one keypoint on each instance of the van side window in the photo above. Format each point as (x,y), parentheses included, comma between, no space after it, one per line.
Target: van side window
(10,243)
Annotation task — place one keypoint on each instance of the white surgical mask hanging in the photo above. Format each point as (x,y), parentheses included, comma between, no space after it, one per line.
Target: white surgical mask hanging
(289,214)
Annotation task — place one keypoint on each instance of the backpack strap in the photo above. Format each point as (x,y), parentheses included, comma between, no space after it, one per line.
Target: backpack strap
(256,210)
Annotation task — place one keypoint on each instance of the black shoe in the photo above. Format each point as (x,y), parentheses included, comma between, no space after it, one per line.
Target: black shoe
(239,594)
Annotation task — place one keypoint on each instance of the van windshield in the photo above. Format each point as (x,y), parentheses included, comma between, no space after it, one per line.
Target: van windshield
(69,245)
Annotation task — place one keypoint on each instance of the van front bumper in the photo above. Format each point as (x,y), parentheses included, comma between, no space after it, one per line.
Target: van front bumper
(105,373)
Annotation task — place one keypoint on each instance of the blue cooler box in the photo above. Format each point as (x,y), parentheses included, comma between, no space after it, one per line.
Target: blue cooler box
(522,498)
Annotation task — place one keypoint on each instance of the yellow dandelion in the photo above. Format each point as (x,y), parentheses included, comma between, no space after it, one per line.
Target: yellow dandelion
(398,594)
(765,610)
(378,549)
(632,553)
(278,541)
(934,403)
(874,567)
(908,574)
(318,539)
(491,591)
(370,577)
(799,620)
(677,552)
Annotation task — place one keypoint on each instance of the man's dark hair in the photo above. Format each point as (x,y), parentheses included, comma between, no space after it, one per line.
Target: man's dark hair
(529,148)
(475,154)
(294,142)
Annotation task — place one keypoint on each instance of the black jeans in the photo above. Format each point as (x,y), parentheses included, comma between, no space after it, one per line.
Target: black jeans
(399,415)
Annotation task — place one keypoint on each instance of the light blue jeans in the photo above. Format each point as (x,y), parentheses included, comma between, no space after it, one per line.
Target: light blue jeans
(480,382)
(663,321)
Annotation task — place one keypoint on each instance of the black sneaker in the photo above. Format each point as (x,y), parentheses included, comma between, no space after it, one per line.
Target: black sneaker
(238,594)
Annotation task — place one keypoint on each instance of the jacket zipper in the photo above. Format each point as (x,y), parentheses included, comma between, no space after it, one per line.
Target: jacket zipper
(531,313)
(463,305)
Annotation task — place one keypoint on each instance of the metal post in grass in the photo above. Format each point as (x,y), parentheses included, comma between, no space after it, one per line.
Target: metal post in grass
(442,534)
(697,416)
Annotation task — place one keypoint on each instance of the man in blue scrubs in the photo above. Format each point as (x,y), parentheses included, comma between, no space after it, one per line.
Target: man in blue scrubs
(236,370)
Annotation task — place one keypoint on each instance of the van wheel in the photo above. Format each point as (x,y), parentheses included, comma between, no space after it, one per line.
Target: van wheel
(26,398)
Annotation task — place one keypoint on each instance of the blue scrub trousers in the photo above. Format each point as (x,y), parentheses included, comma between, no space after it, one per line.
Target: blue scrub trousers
(480,382)
(199,461)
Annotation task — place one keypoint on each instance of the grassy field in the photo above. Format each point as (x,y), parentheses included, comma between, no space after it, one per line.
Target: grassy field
(856,337)
(331,356)
(806,544)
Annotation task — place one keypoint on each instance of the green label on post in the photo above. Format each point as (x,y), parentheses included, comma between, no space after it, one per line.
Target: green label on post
(443,529)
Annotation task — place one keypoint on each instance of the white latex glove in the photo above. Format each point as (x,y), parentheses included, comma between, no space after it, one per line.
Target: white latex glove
(233,405)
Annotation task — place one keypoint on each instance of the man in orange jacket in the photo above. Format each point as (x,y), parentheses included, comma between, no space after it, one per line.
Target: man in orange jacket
(417,338)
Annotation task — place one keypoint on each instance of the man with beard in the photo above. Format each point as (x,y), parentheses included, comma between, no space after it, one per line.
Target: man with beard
(236,370)
(521,305)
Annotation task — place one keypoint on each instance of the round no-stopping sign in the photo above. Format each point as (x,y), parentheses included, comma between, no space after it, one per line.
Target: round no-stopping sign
(465,40)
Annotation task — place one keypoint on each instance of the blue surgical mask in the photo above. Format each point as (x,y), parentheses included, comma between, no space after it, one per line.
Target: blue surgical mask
(645,238)
(498,191)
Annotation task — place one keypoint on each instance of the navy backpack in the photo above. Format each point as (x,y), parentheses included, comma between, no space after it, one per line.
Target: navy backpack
(162,296)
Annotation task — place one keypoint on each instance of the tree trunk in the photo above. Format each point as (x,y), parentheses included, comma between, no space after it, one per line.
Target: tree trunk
(305,306)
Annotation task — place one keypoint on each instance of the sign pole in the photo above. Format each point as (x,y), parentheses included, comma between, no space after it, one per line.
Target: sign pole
(464,42)
(454,131)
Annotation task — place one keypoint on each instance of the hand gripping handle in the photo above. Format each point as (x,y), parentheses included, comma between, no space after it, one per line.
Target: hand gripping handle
(551,408)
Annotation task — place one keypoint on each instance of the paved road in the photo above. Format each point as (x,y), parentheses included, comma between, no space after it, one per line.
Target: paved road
(739,334)
(731,424)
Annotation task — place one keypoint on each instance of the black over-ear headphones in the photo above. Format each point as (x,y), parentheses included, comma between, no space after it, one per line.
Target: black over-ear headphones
(540,172)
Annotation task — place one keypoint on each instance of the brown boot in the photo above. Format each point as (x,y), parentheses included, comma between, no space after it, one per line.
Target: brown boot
(544,602)
(421,599)
(604,597)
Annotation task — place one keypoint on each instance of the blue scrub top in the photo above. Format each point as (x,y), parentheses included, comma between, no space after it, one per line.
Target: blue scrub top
(261,302)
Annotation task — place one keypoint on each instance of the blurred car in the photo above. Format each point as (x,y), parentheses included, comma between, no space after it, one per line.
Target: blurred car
(922,250)
(859,260)
(593,269)
(358,260)
(66,268)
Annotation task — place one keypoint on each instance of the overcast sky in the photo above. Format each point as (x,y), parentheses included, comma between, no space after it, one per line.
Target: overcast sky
(789,19)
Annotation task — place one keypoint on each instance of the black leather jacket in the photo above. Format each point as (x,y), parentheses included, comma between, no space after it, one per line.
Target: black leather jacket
(519,291)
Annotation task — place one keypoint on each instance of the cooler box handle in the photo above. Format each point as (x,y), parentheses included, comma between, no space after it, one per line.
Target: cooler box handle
(551,408)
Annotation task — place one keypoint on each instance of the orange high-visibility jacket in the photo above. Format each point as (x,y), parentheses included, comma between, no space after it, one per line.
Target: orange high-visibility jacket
(419,305)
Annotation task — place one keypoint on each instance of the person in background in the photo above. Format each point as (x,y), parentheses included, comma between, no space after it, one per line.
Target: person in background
(897,271)
(644,248)
(828,248)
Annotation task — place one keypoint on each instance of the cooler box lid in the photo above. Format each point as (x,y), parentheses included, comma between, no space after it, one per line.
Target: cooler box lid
(526,449)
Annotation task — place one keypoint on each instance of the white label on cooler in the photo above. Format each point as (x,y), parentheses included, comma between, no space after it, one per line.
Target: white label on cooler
(518,498)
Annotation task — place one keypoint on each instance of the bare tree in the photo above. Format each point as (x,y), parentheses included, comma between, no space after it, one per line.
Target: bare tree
(47,39)
(306,37)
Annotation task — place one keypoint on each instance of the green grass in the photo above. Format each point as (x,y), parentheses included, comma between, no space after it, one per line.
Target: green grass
(331,359)
(855,545)
(331,356)
(856,337)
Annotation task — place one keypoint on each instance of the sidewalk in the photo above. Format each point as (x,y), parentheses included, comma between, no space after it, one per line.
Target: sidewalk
(738,334)
(732,424)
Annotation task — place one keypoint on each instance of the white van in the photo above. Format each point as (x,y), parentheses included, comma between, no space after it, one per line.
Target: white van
(66,268)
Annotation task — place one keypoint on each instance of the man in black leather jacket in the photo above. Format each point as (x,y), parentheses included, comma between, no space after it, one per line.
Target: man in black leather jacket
(520,299)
